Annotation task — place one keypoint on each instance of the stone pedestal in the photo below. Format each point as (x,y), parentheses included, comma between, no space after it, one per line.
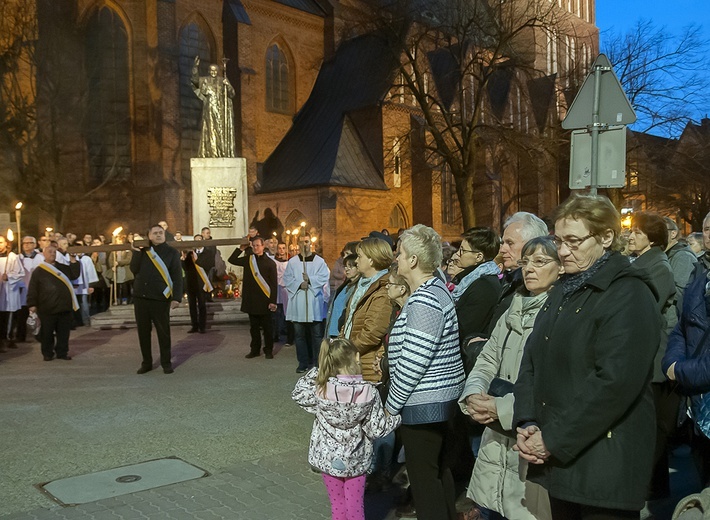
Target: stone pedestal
(219,198)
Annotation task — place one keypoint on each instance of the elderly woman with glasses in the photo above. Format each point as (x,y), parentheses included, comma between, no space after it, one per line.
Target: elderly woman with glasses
(498,480)
(426,373)
(583,402)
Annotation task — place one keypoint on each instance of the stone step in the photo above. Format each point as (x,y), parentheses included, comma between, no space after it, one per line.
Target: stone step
(123,316)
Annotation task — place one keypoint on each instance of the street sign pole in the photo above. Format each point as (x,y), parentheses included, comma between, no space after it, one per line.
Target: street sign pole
(600,102)
(595,130)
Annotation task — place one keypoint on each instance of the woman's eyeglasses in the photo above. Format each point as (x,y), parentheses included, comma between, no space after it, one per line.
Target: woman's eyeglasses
(539,262)
(572,243)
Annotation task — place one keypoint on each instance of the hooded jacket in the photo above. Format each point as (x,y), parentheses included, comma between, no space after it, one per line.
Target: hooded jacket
(585,381)
(347,420)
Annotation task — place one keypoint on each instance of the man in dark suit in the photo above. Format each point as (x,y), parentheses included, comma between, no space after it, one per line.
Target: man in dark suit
(157,288)
(259,290)
(196,264)
(51,296)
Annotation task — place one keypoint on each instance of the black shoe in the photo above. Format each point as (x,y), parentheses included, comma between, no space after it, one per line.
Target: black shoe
(193,329)
(168,370)
(48,358)
(65,358)
(269,355)
(252,355)
(11,344)
(144,369)
(202,331)
(301,370)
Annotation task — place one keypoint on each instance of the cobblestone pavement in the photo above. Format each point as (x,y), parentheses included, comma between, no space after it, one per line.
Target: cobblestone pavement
(219,411)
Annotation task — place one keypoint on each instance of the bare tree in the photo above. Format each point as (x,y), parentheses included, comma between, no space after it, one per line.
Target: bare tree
(455,56)
(664,75)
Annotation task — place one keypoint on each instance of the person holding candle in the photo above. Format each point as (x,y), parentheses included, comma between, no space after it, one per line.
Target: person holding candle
(10,283)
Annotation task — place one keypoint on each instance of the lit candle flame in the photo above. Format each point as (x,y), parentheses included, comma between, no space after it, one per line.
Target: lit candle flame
(18,205)
(295,231)
(117,231)
(313,240)
(10,235)
(303,224)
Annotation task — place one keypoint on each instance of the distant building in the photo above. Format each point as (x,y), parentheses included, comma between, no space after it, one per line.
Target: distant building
(319,120)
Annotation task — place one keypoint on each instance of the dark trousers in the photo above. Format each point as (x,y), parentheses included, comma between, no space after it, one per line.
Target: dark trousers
(563,510)
(198,308)
(54,333)
(149,313)
(257,323)
(4,326)
(700,453)
(19,323)
(308,339)
(667,403)
(429,474)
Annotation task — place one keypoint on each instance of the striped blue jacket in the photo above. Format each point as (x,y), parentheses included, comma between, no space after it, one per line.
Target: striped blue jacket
(426,371)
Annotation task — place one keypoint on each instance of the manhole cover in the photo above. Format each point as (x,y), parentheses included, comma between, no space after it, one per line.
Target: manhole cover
(127,479)
(121,481)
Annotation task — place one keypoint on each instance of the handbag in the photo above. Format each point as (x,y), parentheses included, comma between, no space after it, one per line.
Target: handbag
(700,403)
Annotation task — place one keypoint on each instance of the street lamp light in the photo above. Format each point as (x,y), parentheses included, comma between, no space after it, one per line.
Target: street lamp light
(18,215)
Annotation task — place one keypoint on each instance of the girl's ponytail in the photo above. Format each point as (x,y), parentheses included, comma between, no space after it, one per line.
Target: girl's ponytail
(337,356)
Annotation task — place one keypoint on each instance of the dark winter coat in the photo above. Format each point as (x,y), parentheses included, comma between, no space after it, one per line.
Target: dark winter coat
(691,372)
(48,293)
(254,301)
(475,307)
(584,380)
(205,259)
(149,283)
(655,263)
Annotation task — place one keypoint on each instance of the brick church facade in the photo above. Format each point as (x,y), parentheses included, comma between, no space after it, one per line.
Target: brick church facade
(316,117)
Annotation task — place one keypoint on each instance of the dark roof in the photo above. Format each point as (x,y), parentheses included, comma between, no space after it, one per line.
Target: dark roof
(307,6)
(237,10)
(323,146)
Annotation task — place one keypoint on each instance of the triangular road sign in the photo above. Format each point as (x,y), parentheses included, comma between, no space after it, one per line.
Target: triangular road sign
(614,106)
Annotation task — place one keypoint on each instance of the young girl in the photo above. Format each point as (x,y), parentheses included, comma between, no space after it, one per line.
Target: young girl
(349,415)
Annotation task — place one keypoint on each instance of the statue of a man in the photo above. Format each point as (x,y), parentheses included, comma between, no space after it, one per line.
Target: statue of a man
(217,138)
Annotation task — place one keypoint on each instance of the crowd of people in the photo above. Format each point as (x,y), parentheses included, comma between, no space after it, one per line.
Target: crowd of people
(544,371)
(579,349)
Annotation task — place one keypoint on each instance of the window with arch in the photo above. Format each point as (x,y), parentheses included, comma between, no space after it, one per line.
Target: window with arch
(398,218)
(450,209)
(397,164)
(193,42)
(551,63)
(294,220)
(278,97)
(107,124)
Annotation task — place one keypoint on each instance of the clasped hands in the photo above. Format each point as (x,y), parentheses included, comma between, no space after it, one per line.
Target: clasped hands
(304,283)
(482,408)
(530,445)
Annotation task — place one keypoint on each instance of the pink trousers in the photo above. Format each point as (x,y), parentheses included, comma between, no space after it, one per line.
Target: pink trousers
(347,496)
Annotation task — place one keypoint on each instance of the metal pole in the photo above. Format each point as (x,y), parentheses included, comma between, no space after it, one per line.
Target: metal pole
(595,131)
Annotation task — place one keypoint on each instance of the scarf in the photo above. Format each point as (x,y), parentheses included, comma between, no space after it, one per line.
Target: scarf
(573,282)
(483,269)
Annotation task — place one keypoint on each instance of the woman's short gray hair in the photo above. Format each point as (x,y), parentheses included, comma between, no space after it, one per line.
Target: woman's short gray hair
(425,243)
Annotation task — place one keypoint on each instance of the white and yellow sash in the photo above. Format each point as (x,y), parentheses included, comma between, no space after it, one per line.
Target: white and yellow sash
(257,276)
(163,270)
(61,276)
(207,287)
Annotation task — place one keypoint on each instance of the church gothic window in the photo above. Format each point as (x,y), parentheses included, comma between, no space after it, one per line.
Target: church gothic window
(398,219)
(277,81)
(108,116)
